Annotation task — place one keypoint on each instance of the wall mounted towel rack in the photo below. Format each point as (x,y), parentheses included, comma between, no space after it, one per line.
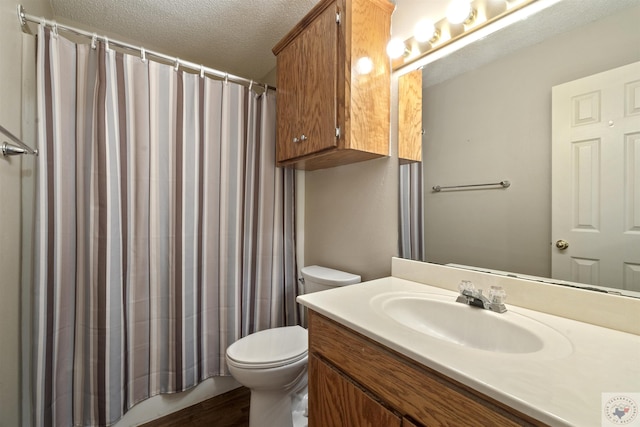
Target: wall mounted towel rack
(19,147)
(503,184)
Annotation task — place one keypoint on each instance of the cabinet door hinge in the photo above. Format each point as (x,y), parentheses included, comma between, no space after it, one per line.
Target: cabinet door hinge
(338,133)
(337,17)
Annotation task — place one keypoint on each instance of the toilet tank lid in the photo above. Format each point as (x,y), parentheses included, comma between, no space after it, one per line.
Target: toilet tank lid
(329,276)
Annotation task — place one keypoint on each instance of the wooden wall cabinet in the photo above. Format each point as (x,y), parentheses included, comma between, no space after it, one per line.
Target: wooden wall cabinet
(410,117)
(354,381)
(329,111)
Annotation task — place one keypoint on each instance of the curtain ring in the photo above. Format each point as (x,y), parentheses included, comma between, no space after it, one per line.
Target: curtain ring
(226,78)
(106,43)
(94,41)
(201,71)
(250,85)
(54,26)
(143,55)
(176,66)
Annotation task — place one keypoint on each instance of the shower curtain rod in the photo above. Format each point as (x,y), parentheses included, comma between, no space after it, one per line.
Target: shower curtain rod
(10,149)
(144,53)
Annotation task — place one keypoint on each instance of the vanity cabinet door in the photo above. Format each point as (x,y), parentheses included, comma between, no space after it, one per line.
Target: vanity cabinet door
(338,402)
(406,422)
(307,81)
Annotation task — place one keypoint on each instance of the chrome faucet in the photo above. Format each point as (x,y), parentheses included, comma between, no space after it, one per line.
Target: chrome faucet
(471,296)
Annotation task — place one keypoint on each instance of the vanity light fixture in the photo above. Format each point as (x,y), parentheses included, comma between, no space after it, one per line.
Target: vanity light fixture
(426,31)
(461,12)
(396,48)
(466,20)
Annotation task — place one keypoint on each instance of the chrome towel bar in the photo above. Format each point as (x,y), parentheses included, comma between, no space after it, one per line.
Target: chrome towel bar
(503,184)
(11,149)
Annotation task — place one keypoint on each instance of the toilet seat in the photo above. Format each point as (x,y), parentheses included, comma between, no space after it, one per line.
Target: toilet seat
(270,348)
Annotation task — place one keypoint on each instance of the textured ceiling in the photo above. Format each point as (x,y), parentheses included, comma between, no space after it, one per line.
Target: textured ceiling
(235,36)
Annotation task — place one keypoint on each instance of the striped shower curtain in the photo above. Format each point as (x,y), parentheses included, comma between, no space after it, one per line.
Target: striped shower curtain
(164,231)
(411,229)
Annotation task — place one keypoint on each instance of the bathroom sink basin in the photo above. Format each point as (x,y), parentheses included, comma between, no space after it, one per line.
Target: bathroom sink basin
(440,317)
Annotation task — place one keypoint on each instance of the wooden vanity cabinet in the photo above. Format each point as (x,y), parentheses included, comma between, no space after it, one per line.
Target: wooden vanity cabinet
(408,423)
(328,113)
(340,402)
(354,381)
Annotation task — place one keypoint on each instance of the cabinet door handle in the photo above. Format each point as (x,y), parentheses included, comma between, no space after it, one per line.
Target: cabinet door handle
(303,138)
(295,139)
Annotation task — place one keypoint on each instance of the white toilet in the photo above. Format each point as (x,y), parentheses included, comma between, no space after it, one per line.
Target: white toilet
(273,363)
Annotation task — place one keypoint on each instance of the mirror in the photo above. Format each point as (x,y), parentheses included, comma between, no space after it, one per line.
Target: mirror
(487,118)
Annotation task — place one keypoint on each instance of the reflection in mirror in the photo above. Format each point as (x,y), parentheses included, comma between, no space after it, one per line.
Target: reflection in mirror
(487,116)
(411,212)
(410,131)
(410,117)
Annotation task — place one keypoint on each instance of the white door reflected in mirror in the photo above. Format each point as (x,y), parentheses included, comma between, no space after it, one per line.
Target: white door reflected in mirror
(596,178)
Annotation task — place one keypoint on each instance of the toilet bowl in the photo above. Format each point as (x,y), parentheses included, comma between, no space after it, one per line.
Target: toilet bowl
(273,363)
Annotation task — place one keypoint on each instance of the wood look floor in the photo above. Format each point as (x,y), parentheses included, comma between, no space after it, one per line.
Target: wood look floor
(230,409)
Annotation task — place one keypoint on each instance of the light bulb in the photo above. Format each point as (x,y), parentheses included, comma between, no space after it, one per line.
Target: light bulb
(424,31)
(458,11)
(364,65)
(395,48)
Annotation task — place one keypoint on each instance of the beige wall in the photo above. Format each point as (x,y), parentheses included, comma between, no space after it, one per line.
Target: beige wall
(351,217)
(351,213)
(494,123)
(11,96)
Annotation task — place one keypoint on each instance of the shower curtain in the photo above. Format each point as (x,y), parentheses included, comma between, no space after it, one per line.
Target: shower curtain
(411,230)
(164,231)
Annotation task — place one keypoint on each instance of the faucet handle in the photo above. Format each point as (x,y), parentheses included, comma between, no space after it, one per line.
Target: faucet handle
(497,295)
(466,285)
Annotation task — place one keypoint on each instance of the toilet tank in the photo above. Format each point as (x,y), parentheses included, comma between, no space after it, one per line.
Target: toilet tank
(317,278)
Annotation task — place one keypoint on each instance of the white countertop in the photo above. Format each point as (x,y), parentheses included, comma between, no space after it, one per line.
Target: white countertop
(560,391)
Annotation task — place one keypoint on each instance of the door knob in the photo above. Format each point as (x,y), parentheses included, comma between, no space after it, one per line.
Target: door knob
(562,244)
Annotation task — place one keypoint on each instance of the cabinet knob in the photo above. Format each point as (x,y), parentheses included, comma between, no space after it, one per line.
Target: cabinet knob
(302,138)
